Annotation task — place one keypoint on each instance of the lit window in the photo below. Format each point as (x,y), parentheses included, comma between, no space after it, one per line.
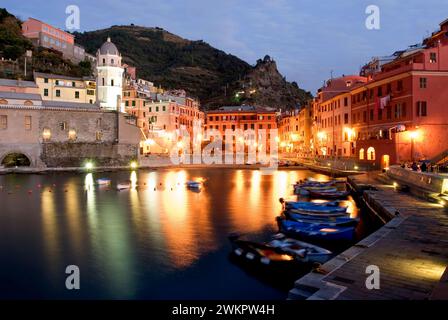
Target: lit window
(72,134)
(46,134)
(361,154)
(432,57)
(371,153)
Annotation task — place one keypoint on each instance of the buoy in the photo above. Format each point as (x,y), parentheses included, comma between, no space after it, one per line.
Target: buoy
(144,183)
(30,191)
(39,186)
(49,190)
(65,190)
(160,183)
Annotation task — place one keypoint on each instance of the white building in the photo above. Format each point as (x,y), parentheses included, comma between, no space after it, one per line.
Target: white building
(109,77)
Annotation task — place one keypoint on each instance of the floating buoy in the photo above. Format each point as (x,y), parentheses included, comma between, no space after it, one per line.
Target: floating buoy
(65,190)
(160,183)
(144,183)
(30,191)
(49,190)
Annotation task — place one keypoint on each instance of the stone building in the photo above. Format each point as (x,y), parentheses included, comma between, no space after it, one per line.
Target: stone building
(64,134)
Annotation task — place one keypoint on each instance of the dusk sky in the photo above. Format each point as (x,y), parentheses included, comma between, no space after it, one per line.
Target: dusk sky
(307,38)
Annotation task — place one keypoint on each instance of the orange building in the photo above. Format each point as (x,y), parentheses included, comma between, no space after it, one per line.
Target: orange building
(243,118)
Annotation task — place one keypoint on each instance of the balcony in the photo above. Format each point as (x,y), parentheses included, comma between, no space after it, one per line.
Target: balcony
(402,69)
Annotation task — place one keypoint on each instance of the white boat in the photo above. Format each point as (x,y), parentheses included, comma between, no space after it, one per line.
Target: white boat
(303,251)
(124,185)
(103,181)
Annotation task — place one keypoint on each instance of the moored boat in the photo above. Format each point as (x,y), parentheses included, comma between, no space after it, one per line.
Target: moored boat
(193,184)
(315,232)
(321,220)
(325,194)
(103,181)
(124,185)
(279,252)
(302,251)
(326,207)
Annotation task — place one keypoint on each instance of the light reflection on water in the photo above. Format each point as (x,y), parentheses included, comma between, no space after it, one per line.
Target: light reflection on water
(155,240)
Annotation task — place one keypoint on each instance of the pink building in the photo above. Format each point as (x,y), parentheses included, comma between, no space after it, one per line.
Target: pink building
(401,113)
(44,35)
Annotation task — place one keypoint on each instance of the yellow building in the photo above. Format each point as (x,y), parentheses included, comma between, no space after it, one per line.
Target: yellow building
(289,132)
(67,89)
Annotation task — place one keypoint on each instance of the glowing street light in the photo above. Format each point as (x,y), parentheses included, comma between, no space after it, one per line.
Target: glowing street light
(89,165)
(134,164)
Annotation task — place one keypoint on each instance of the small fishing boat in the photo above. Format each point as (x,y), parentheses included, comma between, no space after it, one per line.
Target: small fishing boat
(325,207)
(315,232)
(305,190)
(193,184)
(261,253)
(302,251)
(103,181)
(124,185)
(322,214)
(279,252)
(321,220)
(325,194)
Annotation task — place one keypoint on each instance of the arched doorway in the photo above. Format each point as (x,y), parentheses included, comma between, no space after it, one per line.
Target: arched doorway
(15,160)
(385,161)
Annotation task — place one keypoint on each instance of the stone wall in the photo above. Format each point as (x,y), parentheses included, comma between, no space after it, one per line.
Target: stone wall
(77,154)
(429,181)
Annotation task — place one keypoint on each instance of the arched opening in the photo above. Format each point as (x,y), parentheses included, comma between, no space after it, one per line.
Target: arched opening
(371,153)
(361,154)
(16,160)
(385,162)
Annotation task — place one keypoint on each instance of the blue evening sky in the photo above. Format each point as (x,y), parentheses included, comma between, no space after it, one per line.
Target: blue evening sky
(307,38)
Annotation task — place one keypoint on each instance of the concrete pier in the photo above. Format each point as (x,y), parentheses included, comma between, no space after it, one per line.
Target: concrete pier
(411,252)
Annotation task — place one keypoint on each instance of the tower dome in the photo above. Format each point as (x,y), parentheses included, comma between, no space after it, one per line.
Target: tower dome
(109,47)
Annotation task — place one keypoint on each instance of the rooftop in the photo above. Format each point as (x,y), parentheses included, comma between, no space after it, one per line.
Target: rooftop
(70,105)
(19,96)
(109,47)
(57,76)
(17,83)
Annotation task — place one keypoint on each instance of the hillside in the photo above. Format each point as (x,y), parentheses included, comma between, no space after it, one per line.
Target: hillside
(203,71)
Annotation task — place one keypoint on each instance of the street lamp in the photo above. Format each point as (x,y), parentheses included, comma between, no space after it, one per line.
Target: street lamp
(413,135)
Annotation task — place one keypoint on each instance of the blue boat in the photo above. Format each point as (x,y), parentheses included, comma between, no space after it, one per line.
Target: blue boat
(328,221)
(315,207)
(315,232)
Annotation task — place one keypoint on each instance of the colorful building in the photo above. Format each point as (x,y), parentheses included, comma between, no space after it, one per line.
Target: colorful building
(332,117)
(63,88)
(243,118)
(401,114)
(44,35)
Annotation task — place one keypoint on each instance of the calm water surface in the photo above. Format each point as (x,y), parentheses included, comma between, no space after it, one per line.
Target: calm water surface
(158,241)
